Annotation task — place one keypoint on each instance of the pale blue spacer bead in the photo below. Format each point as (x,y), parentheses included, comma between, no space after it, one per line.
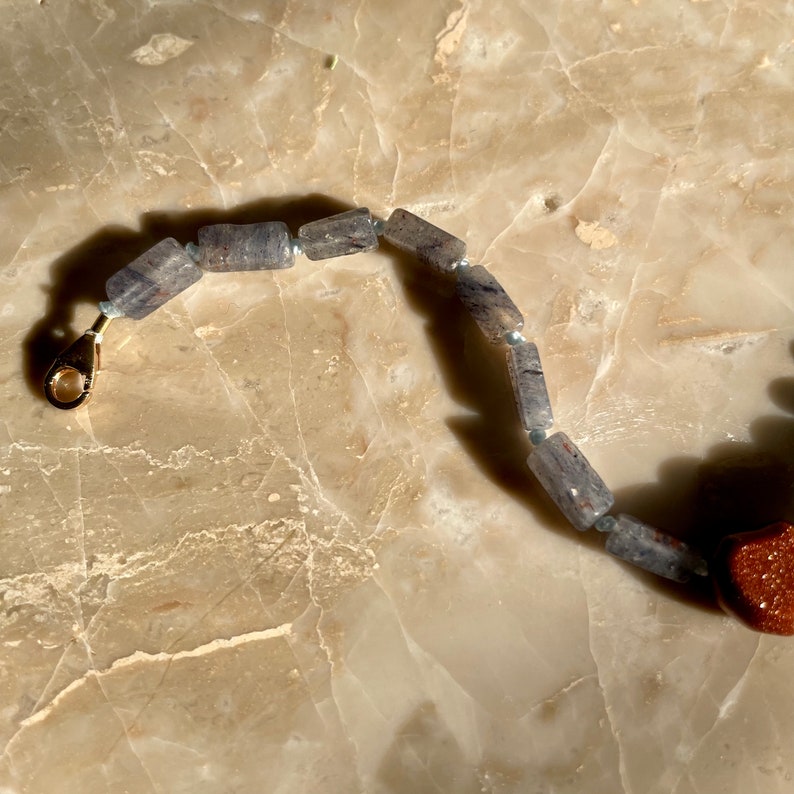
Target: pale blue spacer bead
(514,338)
(654,551)
(109,309)
(297,246)
(570,480)
(537,436)
(462,264)
(378,226)
(605,524)
(193,251)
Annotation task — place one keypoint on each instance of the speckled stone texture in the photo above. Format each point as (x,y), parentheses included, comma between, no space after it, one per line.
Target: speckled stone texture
(488,303)
(429,244)
(653,550)
(570,480)
(152,279)
(529,386)
(227,247)
(753,574)
(348,233)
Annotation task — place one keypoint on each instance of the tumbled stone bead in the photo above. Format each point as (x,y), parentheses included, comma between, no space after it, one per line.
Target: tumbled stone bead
(428,243)
(347,233)
(152,279)
(529,386)
(489,305)
(652,550)
(753,574)
(227,247)
(570,480)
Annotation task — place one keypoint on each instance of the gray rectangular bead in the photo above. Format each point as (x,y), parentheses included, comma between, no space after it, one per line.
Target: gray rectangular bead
(488,303)
(570,480)
(347,233)
(152,279)
(529,386)
(426,242)
(227,247)
(654,551)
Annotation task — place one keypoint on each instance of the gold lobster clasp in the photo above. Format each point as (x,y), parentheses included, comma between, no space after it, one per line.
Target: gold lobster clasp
(72,376)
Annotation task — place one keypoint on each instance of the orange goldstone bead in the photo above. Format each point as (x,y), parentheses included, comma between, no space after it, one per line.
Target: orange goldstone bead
(753,574)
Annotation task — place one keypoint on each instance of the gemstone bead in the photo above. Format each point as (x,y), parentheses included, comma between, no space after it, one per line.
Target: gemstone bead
(152,279)
(753,575)
(347,233)
(428,243)
(652,550)
(227,247)
(570,480)
(489,305)
(529,386)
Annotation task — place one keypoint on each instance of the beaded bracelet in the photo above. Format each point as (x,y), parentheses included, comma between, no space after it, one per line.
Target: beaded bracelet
(752,573)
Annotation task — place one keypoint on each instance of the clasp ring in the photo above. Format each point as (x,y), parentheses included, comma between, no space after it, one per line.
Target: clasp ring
(72,376)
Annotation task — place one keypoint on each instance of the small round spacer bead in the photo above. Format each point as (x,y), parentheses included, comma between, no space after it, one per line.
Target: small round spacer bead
(378,226)
(514,338)
(462,264)
(702,569)
(297,246)
(605,524)
(537,436)
(193,251)
(108,308)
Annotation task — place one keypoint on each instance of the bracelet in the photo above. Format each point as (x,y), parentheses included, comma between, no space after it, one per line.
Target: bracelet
(752,573)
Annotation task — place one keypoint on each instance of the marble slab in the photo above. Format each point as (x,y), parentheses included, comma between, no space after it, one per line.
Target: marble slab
(292,544)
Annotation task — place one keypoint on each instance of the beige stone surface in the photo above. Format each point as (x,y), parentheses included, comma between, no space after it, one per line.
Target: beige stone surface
(292,544)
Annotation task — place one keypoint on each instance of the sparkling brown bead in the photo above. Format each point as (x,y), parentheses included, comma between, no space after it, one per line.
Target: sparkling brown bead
(753,575)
